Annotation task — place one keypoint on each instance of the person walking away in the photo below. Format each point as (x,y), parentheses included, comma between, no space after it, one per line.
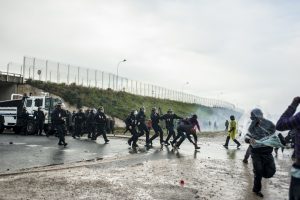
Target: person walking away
(155,117)
(262,158)
(290,120)
(39,116)
(232,132)
(142,127)
(59,123)
(101,121)
(169,119)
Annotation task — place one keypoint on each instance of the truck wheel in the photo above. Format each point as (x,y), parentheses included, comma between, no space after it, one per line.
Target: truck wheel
(1,128)
(31,129)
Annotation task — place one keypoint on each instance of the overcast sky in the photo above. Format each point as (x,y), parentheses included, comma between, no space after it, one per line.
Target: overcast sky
(245,52)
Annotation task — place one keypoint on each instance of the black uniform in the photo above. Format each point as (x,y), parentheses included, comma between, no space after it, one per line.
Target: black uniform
(131,124)
(22,122)
(142,127)
(79,119)
(59,124)
(91,123)
(39,116)
(157,129)
(2,121)
(101,121)
(169,118)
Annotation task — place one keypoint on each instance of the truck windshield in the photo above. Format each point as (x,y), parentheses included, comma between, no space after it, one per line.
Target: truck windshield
(29,103)
(38,102)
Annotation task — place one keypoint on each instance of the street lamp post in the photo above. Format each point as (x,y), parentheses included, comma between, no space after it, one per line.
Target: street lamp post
(118,72)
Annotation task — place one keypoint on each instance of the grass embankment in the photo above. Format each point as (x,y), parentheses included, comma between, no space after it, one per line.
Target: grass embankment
(119,104)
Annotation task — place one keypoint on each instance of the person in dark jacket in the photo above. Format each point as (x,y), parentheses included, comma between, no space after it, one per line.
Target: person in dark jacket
(131,125)
(91,123)
(169,119)
(185,129)
(79,119)
(290,120)
(22,122)
(39,116)
(155,117)
(262,158)
(142,127)
(101,121)
(58,121)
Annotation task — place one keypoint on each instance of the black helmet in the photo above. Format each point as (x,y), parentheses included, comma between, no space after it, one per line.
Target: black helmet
(170,111)
(194,116)
(232,117)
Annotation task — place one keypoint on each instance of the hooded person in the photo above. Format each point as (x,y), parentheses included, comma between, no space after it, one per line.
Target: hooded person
(232,132)
(262,158)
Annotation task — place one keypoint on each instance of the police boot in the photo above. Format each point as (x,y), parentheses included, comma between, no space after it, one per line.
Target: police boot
(237,142)
(227,141)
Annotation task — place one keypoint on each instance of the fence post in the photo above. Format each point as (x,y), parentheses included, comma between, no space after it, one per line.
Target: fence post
(87,78)
(57,73)
(7,72)
(68,75)
(78,76)
(33,69)
(46,70)
(96,78)
(24,70)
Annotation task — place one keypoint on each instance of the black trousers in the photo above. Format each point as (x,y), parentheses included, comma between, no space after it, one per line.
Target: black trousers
(101,131)
(78,129)
(171,133)
(61,133)
(263,167)
(294,193)
(91,130)
(248,153)
(135,136)
(158,132)
(144,129)
(40,127)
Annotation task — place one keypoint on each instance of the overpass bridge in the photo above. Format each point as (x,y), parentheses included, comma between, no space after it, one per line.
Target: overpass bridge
(9,84)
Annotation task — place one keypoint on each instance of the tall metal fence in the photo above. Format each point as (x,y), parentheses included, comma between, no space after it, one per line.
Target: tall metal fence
(56,72)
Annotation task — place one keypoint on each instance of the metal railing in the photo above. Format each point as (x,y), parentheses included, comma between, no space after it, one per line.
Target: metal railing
(49,71)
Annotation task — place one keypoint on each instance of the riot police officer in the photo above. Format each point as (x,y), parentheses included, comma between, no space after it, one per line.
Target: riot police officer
(58,121)
(91,123)
(101,121)
(39,117)
(79,119)
(169,119)
(22,121)
(131,124)
(141,123)
(155,117)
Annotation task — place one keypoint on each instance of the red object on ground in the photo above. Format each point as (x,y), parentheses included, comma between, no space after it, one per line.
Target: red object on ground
(181,182)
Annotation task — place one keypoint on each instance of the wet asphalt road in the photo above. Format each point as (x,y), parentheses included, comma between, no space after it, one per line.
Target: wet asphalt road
(34,151)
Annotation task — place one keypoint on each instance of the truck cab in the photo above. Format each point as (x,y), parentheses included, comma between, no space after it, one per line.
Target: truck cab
(11,108)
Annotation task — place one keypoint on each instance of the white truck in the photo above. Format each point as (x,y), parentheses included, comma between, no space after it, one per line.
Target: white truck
(10,110)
